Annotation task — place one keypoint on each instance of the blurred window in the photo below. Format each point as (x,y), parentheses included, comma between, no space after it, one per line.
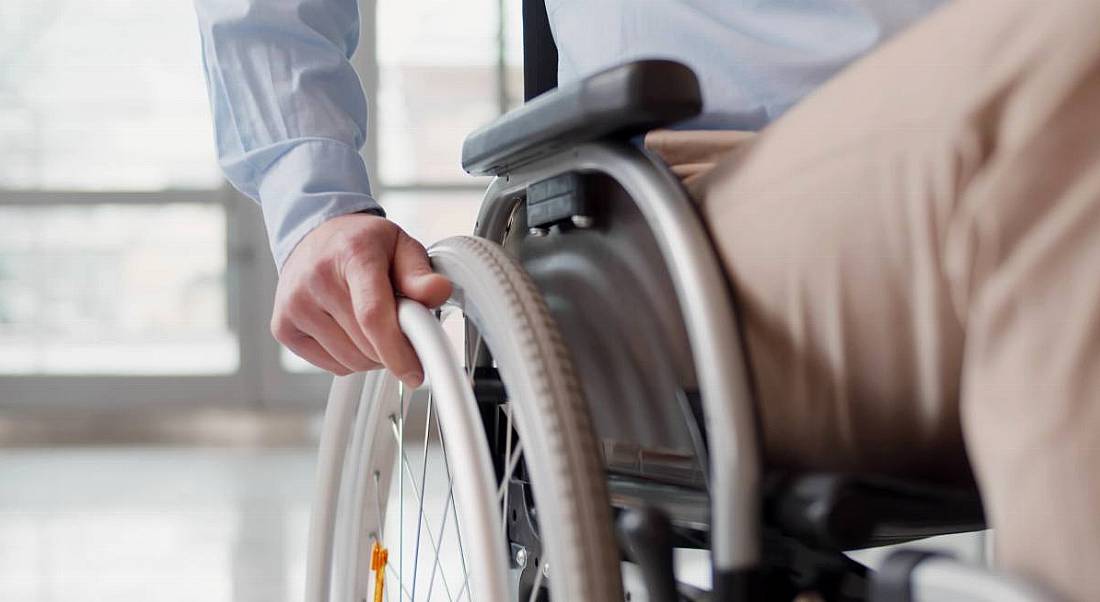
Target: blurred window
(114,289)
(102,96)
(445,69)
(113,221)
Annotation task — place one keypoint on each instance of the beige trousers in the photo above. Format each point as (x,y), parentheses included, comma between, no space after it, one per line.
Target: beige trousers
(915,249)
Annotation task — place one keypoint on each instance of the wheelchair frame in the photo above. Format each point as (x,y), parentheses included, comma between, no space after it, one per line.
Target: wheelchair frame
(707,311)
(587,130)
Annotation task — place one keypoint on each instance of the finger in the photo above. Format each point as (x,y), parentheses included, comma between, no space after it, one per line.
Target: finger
(327,332)
(328,292)
(311,351)
(375,311)
(413,275)
(339,307)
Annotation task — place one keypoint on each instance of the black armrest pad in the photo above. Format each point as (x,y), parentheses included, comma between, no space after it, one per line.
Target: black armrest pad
(620,102)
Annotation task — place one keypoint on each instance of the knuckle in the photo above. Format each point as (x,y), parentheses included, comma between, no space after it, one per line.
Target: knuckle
(298,302)
(326,264)
(317,281)
(282,329)
(354,243)
(373,362)
(413,246)
(372,317)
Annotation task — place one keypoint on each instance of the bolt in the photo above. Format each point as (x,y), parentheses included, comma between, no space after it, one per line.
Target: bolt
(538,232)
(546,570)
(521,557)
(583,221)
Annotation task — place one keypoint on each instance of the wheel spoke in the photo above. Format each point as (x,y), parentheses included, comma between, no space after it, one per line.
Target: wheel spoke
(424,485)
(465,588)
(509,470)
(416,491)
(442,529)
(404,590)
(473,359)
(458,530)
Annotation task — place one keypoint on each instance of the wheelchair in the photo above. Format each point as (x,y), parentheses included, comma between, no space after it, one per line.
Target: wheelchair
(588,413)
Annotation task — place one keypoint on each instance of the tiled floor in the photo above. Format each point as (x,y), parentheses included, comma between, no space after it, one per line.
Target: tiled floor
(153,524)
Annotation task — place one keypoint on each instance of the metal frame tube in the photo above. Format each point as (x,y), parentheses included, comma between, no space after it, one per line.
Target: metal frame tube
(707,306)
(939,579)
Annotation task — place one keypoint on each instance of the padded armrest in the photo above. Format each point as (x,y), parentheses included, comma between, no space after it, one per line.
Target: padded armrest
(620,102)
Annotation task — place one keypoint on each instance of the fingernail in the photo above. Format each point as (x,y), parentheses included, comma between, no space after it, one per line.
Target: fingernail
(412,379)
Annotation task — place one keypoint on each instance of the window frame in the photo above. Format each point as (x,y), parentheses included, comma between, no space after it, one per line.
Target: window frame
(259,378)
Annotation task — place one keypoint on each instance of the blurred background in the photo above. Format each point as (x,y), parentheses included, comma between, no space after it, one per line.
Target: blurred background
(155,442)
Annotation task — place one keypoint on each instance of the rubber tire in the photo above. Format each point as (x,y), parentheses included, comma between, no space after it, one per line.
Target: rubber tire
(550,414)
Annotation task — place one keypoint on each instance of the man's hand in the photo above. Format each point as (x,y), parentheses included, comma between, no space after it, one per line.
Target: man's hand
(335,305)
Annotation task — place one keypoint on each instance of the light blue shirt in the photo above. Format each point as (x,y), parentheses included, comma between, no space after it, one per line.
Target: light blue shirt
(290,115)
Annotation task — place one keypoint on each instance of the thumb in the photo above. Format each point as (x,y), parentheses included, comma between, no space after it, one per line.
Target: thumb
(413,276)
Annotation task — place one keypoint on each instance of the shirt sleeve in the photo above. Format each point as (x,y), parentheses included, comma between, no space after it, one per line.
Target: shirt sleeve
(289,111)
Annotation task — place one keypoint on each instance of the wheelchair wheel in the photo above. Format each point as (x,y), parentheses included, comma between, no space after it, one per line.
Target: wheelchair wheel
(493,487)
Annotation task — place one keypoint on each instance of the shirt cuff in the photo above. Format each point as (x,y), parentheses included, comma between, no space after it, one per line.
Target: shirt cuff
(313,182)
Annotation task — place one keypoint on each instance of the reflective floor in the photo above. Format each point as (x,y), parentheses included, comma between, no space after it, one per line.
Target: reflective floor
(213,523)
(153,524)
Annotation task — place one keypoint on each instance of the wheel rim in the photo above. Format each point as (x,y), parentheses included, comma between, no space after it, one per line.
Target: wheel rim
(419,498)
(550,414)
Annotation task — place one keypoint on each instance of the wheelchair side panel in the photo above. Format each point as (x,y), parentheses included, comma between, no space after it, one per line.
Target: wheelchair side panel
(610,292)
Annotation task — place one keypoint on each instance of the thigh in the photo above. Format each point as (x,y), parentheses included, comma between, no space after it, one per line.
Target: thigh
(947,184)
(833,228)
(853,342)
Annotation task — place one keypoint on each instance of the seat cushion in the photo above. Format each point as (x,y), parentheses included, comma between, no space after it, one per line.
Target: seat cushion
(847,512)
